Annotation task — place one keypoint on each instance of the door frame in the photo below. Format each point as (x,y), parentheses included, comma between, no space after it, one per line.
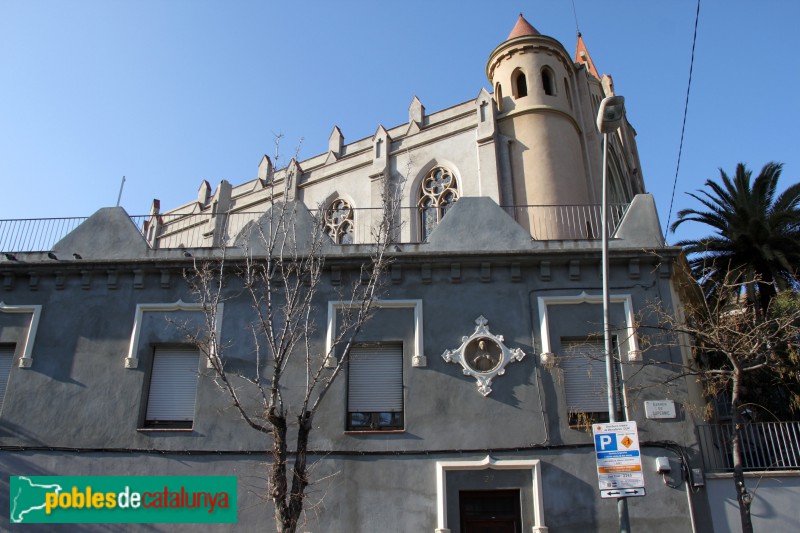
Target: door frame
(488,463)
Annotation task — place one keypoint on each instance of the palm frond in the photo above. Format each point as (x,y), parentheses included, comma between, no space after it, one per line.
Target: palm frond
(757,236)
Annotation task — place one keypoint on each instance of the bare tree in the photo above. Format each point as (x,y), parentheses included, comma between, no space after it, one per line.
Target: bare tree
(279,272)
(730,341)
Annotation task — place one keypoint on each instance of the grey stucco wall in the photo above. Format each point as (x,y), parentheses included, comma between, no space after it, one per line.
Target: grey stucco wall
(774,505)
(374,493)
(78,394)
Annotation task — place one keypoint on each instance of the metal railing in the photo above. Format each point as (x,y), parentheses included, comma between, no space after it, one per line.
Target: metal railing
(35,234)
(566,222)
(765,446)
(205,230)
(41,234)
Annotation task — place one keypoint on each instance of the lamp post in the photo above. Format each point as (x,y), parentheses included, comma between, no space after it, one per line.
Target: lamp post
(609,119)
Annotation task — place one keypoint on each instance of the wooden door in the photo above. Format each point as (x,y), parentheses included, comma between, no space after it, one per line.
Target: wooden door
(490,511)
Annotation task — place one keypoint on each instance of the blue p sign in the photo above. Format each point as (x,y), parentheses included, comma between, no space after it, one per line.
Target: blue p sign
(605,441)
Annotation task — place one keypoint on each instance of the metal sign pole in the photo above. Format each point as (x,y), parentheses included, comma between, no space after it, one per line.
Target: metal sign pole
(622,503)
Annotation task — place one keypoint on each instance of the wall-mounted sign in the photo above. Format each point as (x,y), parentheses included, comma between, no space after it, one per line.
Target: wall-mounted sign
(659,409)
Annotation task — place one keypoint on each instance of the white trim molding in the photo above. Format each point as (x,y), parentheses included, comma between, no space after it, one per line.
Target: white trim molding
(131,361)
(418,359)
(442,467)
(634,353)
(26,361)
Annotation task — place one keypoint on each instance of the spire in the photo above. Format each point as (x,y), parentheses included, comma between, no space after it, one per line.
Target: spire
(582,56)
(521,28)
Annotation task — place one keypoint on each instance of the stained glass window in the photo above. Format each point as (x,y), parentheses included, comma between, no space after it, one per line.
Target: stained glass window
(437,194)
(339,222)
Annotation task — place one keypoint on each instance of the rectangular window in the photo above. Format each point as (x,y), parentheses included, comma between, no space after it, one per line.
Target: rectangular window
(173,388)
(375,388)
(6,359)
(584,366)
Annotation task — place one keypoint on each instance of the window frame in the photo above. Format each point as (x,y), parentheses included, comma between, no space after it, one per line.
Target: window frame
(131,361)
(26,356)
(544,302)
(628,333)
(418,358)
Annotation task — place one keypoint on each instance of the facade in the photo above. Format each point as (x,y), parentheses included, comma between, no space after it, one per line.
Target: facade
(468,399)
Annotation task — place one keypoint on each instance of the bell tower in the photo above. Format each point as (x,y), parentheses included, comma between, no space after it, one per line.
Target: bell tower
(533,80)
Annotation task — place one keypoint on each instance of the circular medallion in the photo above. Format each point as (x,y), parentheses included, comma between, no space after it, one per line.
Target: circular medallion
(482,354)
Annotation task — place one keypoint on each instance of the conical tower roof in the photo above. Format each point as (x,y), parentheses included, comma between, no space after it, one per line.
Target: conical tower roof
(582,56)
(522,27)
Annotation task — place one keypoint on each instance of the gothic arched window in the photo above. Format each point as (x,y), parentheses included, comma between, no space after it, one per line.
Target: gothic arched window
(339,222)
(618,189)
(437,194)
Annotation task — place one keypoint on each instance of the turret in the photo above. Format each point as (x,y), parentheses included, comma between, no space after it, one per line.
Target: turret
(533,78)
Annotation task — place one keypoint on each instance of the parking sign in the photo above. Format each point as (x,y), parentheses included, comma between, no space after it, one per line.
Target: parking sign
(619,462)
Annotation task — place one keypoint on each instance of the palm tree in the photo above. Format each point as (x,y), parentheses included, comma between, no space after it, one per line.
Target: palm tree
(757,236)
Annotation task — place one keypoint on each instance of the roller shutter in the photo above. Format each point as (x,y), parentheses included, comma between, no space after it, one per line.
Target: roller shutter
(6,358)
(173,386)
(584,367)
(375,379)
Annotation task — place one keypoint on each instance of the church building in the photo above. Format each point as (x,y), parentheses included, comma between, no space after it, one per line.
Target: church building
(467,403)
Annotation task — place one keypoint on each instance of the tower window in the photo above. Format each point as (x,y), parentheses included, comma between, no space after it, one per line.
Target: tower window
(438,192)
(548,82)
(566,91)
(339,222)
(519,83)
(498,96)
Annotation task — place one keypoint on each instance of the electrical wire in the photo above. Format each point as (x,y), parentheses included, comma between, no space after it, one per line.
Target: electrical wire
(575,14)
(683,127)
(668,445)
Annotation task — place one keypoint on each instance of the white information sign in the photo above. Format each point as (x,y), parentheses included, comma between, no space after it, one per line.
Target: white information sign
(656,409)
(619,463)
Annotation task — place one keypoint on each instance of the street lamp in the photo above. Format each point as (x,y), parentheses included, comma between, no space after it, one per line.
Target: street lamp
(609,119)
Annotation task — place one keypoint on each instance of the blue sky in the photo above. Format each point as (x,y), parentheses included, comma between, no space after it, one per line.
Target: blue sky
(172,92)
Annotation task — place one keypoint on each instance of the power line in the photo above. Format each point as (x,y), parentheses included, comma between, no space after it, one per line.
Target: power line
(575,14)
(683,127)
